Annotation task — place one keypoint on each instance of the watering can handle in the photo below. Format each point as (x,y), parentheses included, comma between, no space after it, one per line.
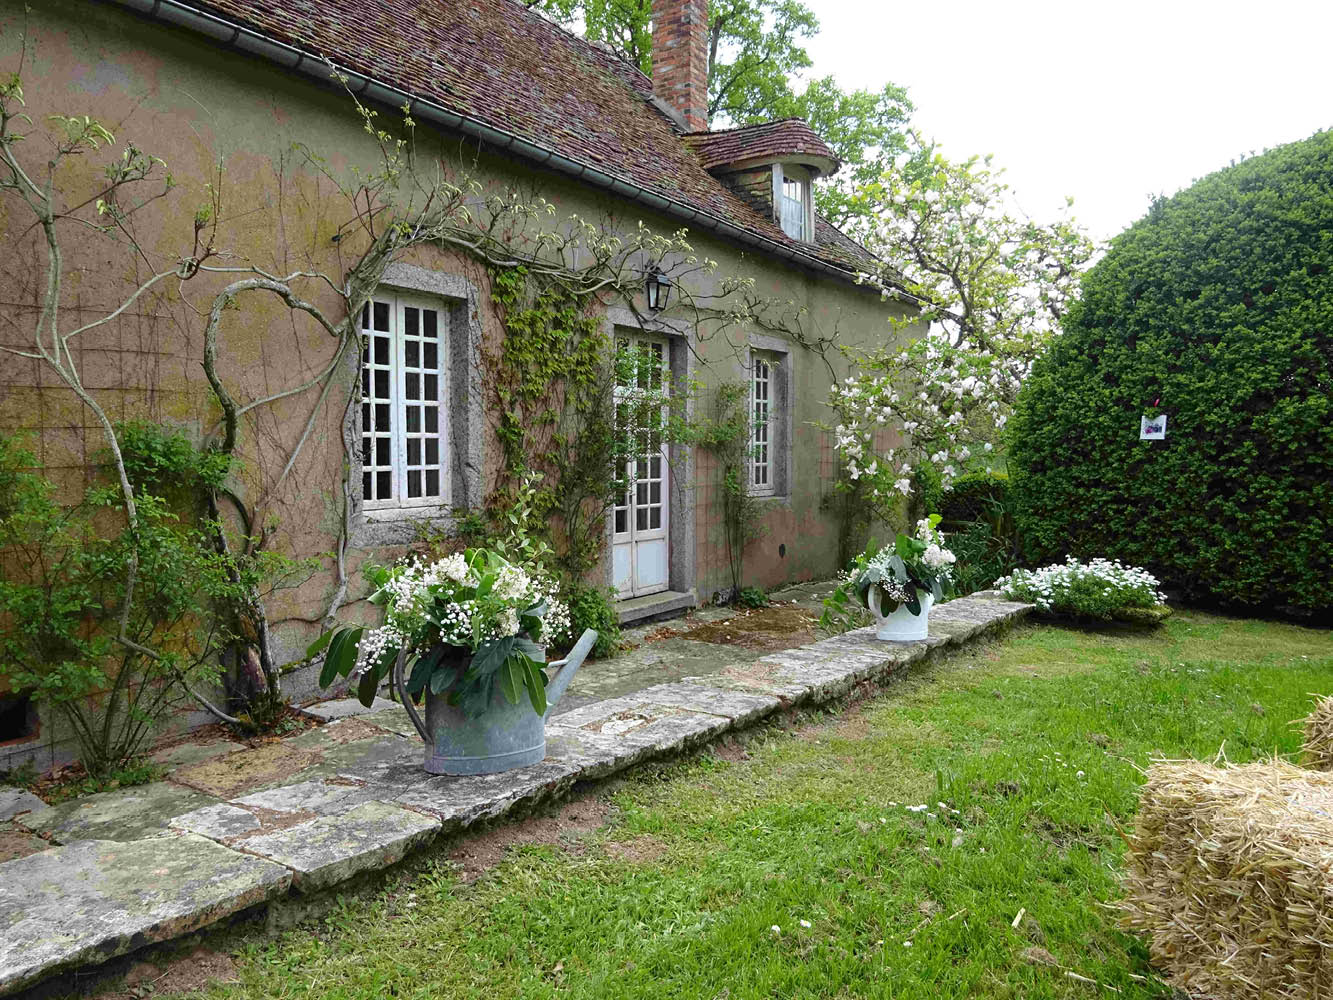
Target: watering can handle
(401,687)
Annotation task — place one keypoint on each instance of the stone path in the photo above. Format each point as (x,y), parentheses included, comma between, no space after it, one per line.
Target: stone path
(235,828)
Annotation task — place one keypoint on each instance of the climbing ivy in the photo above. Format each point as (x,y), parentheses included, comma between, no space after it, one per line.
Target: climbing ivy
(726,436)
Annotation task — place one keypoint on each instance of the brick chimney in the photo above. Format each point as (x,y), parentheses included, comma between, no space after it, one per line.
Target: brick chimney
(680,58)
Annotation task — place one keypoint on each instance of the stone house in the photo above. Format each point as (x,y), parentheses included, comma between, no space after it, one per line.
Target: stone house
(514,101)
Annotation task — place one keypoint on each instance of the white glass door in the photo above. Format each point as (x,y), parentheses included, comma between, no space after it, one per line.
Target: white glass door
(639,546)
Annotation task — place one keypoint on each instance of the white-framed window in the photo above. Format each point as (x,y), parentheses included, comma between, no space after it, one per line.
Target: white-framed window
(404,403)
(794,211)
(763,383)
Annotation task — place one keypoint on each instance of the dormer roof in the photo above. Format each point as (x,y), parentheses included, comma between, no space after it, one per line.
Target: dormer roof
(787,140)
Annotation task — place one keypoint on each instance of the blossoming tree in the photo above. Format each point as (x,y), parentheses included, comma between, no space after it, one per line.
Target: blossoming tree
(992,287)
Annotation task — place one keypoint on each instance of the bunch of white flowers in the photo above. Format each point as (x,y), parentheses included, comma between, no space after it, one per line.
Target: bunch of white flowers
(1094,588)
(438,602)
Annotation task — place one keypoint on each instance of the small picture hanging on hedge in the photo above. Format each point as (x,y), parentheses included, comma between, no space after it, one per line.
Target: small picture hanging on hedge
(1153,428)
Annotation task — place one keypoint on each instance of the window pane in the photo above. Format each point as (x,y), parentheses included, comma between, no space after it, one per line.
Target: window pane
(365,417)
(432,483)
(382,316)
(413,351)
(383,485)
(382,451)
(413,388)
(432,361)
(382,417)
(365,486)
(432,387)
(412,324)
(414,484)
(381,385)
(413,419)
(414,451)
(432,419)
(622,521)
(381,350)
(429,319)
(432,451)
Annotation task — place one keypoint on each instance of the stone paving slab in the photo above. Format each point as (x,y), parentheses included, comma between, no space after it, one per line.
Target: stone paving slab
(351,796)
(217,822)
(331,849)
(318,796)
(124,814)
(90,901)
(16,800)
(459,802)
(345,708)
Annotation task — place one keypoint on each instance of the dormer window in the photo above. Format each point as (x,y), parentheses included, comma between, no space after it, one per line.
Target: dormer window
(795,212)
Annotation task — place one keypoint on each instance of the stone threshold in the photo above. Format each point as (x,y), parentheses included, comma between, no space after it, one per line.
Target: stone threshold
(90,899)
(654,607)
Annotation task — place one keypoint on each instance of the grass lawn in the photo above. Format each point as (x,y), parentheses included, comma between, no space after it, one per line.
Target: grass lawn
(800,870)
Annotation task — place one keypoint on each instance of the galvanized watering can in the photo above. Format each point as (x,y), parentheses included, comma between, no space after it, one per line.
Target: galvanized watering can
(504,737)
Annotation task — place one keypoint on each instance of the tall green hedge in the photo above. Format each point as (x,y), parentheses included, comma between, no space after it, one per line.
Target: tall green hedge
(1219,303)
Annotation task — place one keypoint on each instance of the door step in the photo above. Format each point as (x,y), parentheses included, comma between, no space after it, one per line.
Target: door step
(667,604)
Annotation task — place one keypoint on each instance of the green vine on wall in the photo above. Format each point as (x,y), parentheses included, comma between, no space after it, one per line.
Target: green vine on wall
(726,436)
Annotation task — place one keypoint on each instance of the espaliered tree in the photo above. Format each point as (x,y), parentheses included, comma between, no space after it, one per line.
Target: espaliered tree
(1215,309)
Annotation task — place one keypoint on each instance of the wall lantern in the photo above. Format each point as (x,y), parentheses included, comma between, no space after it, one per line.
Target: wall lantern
(658,287)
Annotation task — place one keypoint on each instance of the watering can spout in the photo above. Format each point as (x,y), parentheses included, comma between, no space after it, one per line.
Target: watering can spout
(567,668)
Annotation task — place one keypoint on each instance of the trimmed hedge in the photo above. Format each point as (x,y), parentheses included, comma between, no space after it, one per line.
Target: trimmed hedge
(1219,303)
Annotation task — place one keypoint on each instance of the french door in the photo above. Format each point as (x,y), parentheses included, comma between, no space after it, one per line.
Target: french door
(640,520)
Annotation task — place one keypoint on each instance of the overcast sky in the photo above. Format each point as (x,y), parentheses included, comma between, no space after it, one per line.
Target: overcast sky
(1106,102)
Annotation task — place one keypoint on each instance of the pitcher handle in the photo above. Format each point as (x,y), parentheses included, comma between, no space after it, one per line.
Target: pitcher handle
(401,687)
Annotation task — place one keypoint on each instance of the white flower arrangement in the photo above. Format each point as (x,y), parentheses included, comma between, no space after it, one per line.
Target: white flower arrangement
(1093,589)
(914,564)
(475,608)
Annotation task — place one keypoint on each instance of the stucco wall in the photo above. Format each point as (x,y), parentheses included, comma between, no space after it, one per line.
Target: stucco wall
(197,105)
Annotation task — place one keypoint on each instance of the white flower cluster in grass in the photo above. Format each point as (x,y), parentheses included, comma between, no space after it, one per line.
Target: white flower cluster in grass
(1092,587)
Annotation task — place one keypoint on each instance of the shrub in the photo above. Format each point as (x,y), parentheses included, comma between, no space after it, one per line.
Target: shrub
(1216,309)
(63,597)
(594,607)
(752,597)
(1098,589)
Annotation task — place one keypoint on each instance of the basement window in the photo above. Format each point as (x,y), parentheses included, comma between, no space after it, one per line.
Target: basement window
(18,718)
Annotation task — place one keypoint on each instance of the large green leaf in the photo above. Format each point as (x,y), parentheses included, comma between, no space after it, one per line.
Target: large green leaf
(317,647)
(489,655)
(441,678)
(535,681)
(913,603)
(341,656)
(421,673)
(530,649)
(369,684)
(511,680)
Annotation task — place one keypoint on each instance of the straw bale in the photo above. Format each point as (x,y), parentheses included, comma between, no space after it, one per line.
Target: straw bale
(1319,735)
(1230,873)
